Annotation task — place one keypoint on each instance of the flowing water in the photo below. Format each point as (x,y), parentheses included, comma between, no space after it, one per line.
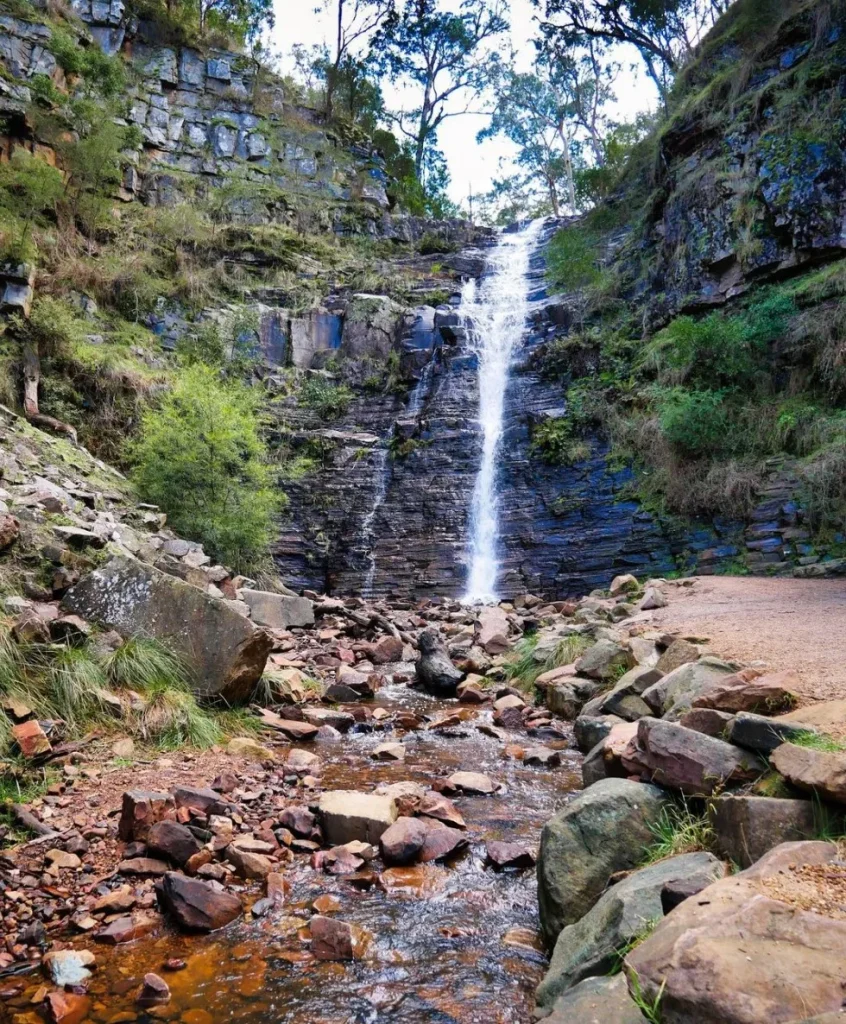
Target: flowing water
(452,943)
(495,312)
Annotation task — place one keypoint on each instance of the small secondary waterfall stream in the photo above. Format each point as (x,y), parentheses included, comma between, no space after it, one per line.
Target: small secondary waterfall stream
(495,311)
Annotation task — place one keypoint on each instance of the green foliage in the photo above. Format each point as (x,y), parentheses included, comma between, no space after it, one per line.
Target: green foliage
(524,663)
(817,741)
(201,457)
(30,189)
(101,72)
(555,442)
(325,398)
(144,664)
(679,830)
(575,252)
(697,422)
(650,1008)
(202,345)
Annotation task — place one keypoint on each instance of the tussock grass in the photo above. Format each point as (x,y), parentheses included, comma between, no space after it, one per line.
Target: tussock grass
(524,666)
(679,830)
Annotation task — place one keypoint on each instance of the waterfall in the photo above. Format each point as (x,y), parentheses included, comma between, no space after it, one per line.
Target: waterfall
(494,311)
(382,475)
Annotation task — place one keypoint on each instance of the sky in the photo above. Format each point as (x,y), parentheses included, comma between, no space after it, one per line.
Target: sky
(472,165)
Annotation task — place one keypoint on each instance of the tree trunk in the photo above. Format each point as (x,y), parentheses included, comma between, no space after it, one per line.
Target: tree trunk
(32,378)
(553,197)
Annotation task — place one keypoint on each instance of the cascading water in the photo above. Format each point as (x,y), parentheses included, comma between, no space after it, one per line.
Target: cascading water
(494,311)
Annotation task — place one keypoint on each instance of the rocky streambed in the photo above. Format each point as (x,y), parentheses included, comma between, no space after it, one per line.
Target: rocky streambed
(451,939)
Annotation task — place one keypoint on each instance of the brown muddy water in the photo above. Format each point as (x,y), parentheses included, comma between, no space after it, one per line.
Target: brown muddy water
(453,943)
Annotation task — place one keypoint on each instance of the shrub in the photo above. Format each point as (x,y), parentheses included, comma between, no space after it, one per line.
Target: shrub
(201,457)
(554,441)
(697,422)
(29,189)
(328,400)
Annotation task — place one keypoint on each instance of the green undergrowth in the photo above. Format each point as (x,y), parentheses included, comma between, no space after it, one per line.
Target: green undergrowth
(523,665)
(679,829)
(141,689)
(700,407)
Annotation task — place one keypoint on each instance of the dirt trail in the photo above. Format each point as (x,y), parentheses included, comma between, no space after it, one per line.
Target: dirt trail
(787,623)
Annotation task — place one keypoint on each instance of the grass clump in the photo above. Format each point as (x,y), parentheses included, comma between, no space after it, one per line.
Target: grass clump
(817,741)
(555,442)
(328,400)
(679,830)
(526,662)
(650,1008)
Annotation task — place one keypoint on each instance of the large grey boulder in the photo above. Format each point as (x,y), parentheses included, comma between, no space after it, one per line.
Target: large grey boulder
(226,651)
(604,829)
(435,670)
(592,945)
(278,611)
(674,694)
(747,827)
(597,1001)
(667,753)
(604,660)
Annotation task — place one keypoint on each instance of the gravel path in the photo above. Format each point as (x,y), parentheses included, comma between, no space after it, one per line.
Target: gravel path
(787,623)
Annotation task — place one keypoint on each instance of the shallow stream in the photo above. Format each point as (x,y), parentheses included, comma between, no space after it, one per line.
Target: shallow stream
(453,942)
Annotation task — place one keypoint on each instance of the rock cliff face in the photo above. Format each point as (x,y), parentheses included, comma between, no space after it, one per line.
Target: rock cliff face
(747,181)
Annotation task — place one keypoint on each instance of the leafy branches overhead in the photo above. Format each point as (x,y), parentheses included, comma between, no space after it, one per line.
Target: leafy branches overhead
(665,32)
(444,55)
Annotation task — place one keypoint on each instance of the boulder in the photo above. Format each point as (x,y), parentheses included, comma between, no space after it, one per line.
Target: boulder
(667,753)
(386,650)
(625,700)
(246,746)
(474,783)
(747,827)
(674,694)
(597,1001)
(568,697)
(588,730)
(817,771)
(492,634)
(602,830)
(174,841)
(140,810)
(441,842)
(509,855)
(828,717)
(10,529)
(712,723)
(225,650)
(626,584)
(278,611)
(347,815)
(434,805)
(435,670)
(679,652)
(248,862)
(605,760)
(197,906)
(403,841)
(30,739)
(756,946)
(762,734)
(336,940)
(744,691)
(68,966)
(591,945)
(652,598)
(604,660)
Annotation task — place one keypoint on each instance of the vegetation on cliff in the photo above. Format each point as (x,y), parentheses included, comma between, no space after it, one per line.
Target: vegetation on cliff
(706,337)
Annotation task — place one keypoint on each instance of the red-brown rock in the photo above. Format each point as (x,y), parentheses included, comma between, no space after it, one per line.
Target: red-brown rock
(31,739)
(509,855)
(403,841)
(10,530)
(140,810)
(174,841)
(336,940)
(197,906)
(744,691)
(67,1007)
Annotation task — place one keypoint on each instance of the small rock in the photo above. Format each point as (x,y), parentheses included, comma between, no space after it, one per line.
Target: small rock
(474,783)
(389,752)
(154,991)
(336,940)
(509,855)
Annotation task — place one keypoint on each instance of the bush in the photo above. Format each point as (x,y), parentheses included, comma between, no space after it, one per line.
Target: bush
(697,422)
(328,400)
(29,190)
(201,457)
(554,441)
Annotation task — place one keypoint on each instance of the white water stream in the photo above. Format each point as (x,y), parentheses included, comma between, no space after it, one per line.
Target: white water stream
(494,311)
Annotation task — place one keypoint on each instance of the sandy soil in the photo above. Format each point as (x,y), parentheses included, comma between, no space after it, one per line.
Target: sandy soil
(787,623)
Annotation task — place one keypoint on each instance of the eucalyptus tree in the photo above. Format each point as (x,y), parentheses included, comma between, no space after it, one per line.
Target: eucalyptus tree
(446,57)
(665,32)
(354,22)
